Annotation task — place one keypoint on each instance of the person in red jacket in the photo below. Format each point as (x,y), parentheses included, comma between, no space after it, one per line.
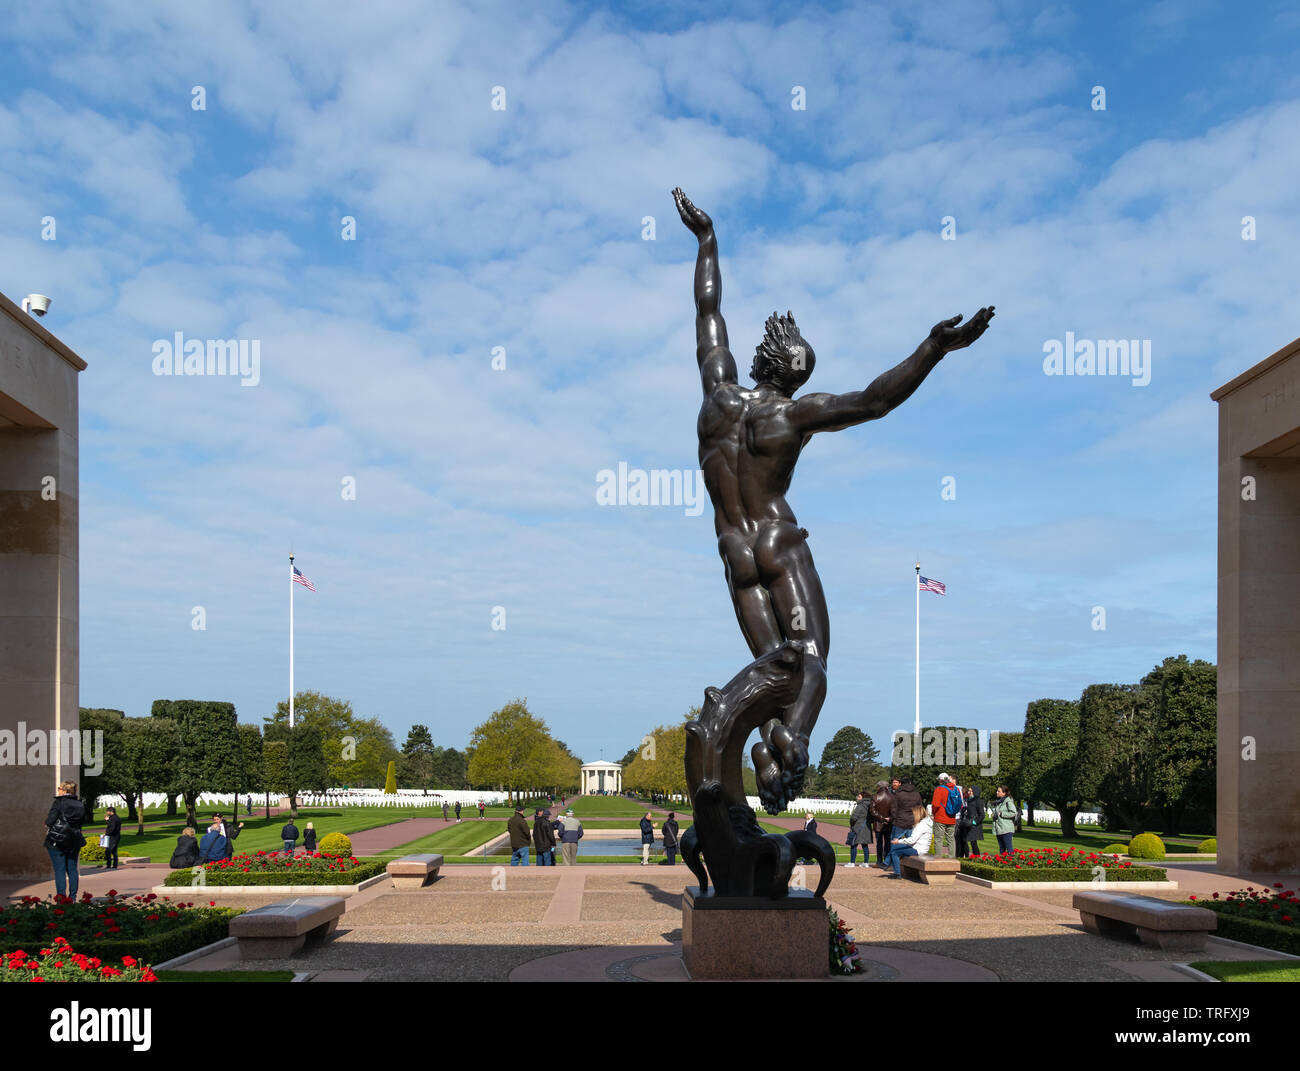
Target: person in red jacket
(945,824)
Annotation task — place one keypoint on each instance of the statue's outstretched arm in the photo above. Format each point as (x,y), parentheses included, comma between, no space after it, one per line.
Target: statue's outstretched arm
(711,349)
(832,412)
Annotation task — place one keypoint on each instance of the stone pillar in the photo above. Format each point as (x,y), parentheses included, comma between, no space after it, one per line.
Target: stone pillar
(38,576)
(1259,625)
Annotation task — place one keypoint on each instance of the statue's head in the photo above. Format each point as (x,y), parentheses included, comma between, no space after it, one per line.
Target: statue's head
(783,359)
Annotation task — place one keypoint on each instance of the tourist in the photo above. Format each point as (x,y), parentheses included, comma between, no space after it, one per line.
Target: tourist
(186,854)
(647,838)
(809,823)
(906,801)
(669,833)
(570,833)
(912,841)
(446,812)
(309,838)
(1004,814)
(520,838)
(458,810)
(882,801)
(214,845)
(112,836)
(974,822)
(480,810)
(860,831)
(229,832)
(945,806)
(289,835)
(544,838)
(63,837)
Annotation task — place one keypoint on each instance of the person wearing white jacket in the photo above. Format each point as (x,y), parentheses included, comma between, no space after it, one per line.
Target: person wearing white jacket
(914,841)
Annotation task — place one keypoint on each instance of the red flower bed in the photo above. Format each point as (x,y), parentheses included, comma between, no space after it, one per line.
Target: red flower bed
(59,963)
(283,863)
(1051,859)
(1277,905)
(33,921)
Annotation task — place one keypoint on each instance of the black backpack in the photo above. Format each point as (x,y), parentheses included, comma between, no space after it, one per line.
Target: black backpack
(65,836)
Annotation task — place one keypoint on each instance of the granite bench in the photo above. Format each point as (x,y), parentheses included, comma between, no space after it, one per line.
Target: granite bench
(281,929)
(1159,923)
(414,871)
(931,869)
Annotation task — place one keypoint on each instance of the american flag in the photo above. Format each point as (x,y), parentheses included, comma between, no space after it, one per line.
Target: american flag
(298,578)
(937,586)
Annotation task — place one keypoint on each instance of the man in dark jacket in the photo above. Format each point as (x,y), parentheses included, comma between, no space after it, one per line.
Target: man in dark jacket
(520,838)
(860,827)
(228,833)
(64,839)
(289,834)
(647,838)
(113,831)
(973,816)
(458,810)
(906,799)
(669,832)
(571,832)
(544,838)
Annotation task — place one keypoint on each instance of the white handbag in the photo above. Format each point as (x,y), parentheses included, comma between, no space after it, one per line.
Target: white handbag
(103,840)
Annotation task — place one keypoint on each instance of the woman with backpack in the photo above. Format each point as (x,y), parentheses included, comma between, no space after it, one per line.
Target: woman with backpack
(64,839)
(1005,812)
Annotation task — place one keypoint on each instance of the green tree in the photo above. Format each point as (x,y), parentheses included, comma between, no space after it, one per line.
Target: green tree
(660,763)
(1182,699)
(1051,746)
(510,750)
(253,770)
(149,753)
(390,780)
(415,767)
(109,780)
(1115,766)
(209,758)
(357,750)
(956,751)
(849,764)
(294,760)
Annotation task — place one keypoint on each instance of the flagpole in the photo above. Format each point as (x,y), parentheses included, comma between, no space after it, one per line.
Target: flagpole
(290,639)
(918,648)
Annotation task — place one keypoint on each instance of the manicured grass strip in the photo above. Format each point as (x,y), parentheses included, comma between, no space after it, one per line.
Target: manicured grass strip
(454,840)
(1268,970)
(224,976)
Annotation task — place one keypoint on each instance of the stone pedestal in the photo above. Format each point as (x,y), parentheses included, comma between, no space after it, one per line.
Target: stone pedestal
(743,937)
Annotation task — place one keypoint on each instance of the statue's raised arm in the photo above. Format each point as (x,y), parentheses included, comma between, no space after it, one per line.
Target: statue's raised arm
(711,349)
(832,412)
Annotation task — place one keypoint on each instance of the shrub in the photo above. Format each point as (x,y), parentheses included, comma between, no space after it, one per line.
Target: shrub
(1115,849)
(61,963)
(92,853)
(335,844)
(1262,917)
(1146,846)
(1081,874)
(364,869)
(1209,846)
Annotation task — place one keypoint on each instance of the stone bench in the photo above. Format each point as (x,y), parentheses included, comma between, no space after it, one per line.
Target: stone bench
(414,871)
(1158,923)
(931,869)
(281,929)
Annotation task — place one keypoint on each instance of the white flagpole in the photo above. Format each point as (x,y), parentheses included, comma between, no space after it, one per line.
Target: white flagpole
(918,648)
(291,640)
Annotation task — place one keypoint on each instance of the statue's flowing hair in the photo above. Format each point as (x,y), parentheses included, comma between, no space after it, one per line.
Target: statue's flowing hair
(780,337)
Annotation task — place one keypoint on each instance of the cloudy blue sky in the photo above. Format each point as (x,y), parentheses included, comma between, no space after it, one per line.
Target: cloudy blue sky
(523,228)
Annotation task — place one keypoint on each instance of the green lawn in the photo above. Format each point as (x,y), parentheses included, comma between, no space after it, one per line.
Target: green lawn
(261,834)
(455,840)
(1268,970)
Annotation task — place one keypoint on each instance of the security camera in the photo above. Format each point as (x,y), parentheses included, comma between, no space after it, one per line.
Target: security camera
(36,303)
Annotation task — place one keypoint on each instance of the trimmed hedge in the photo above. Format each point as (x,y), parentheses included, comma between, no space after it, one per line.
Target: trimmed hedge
(335,844)
(1252,931)
(1209,846)
(366,868)
(1062,873)
(214,926)
(92,853)
(1146,846)
(1115,849)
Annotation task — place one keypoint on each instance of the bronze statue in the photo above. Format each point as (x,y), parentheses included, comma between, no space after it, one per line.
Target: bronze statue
(749,443)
